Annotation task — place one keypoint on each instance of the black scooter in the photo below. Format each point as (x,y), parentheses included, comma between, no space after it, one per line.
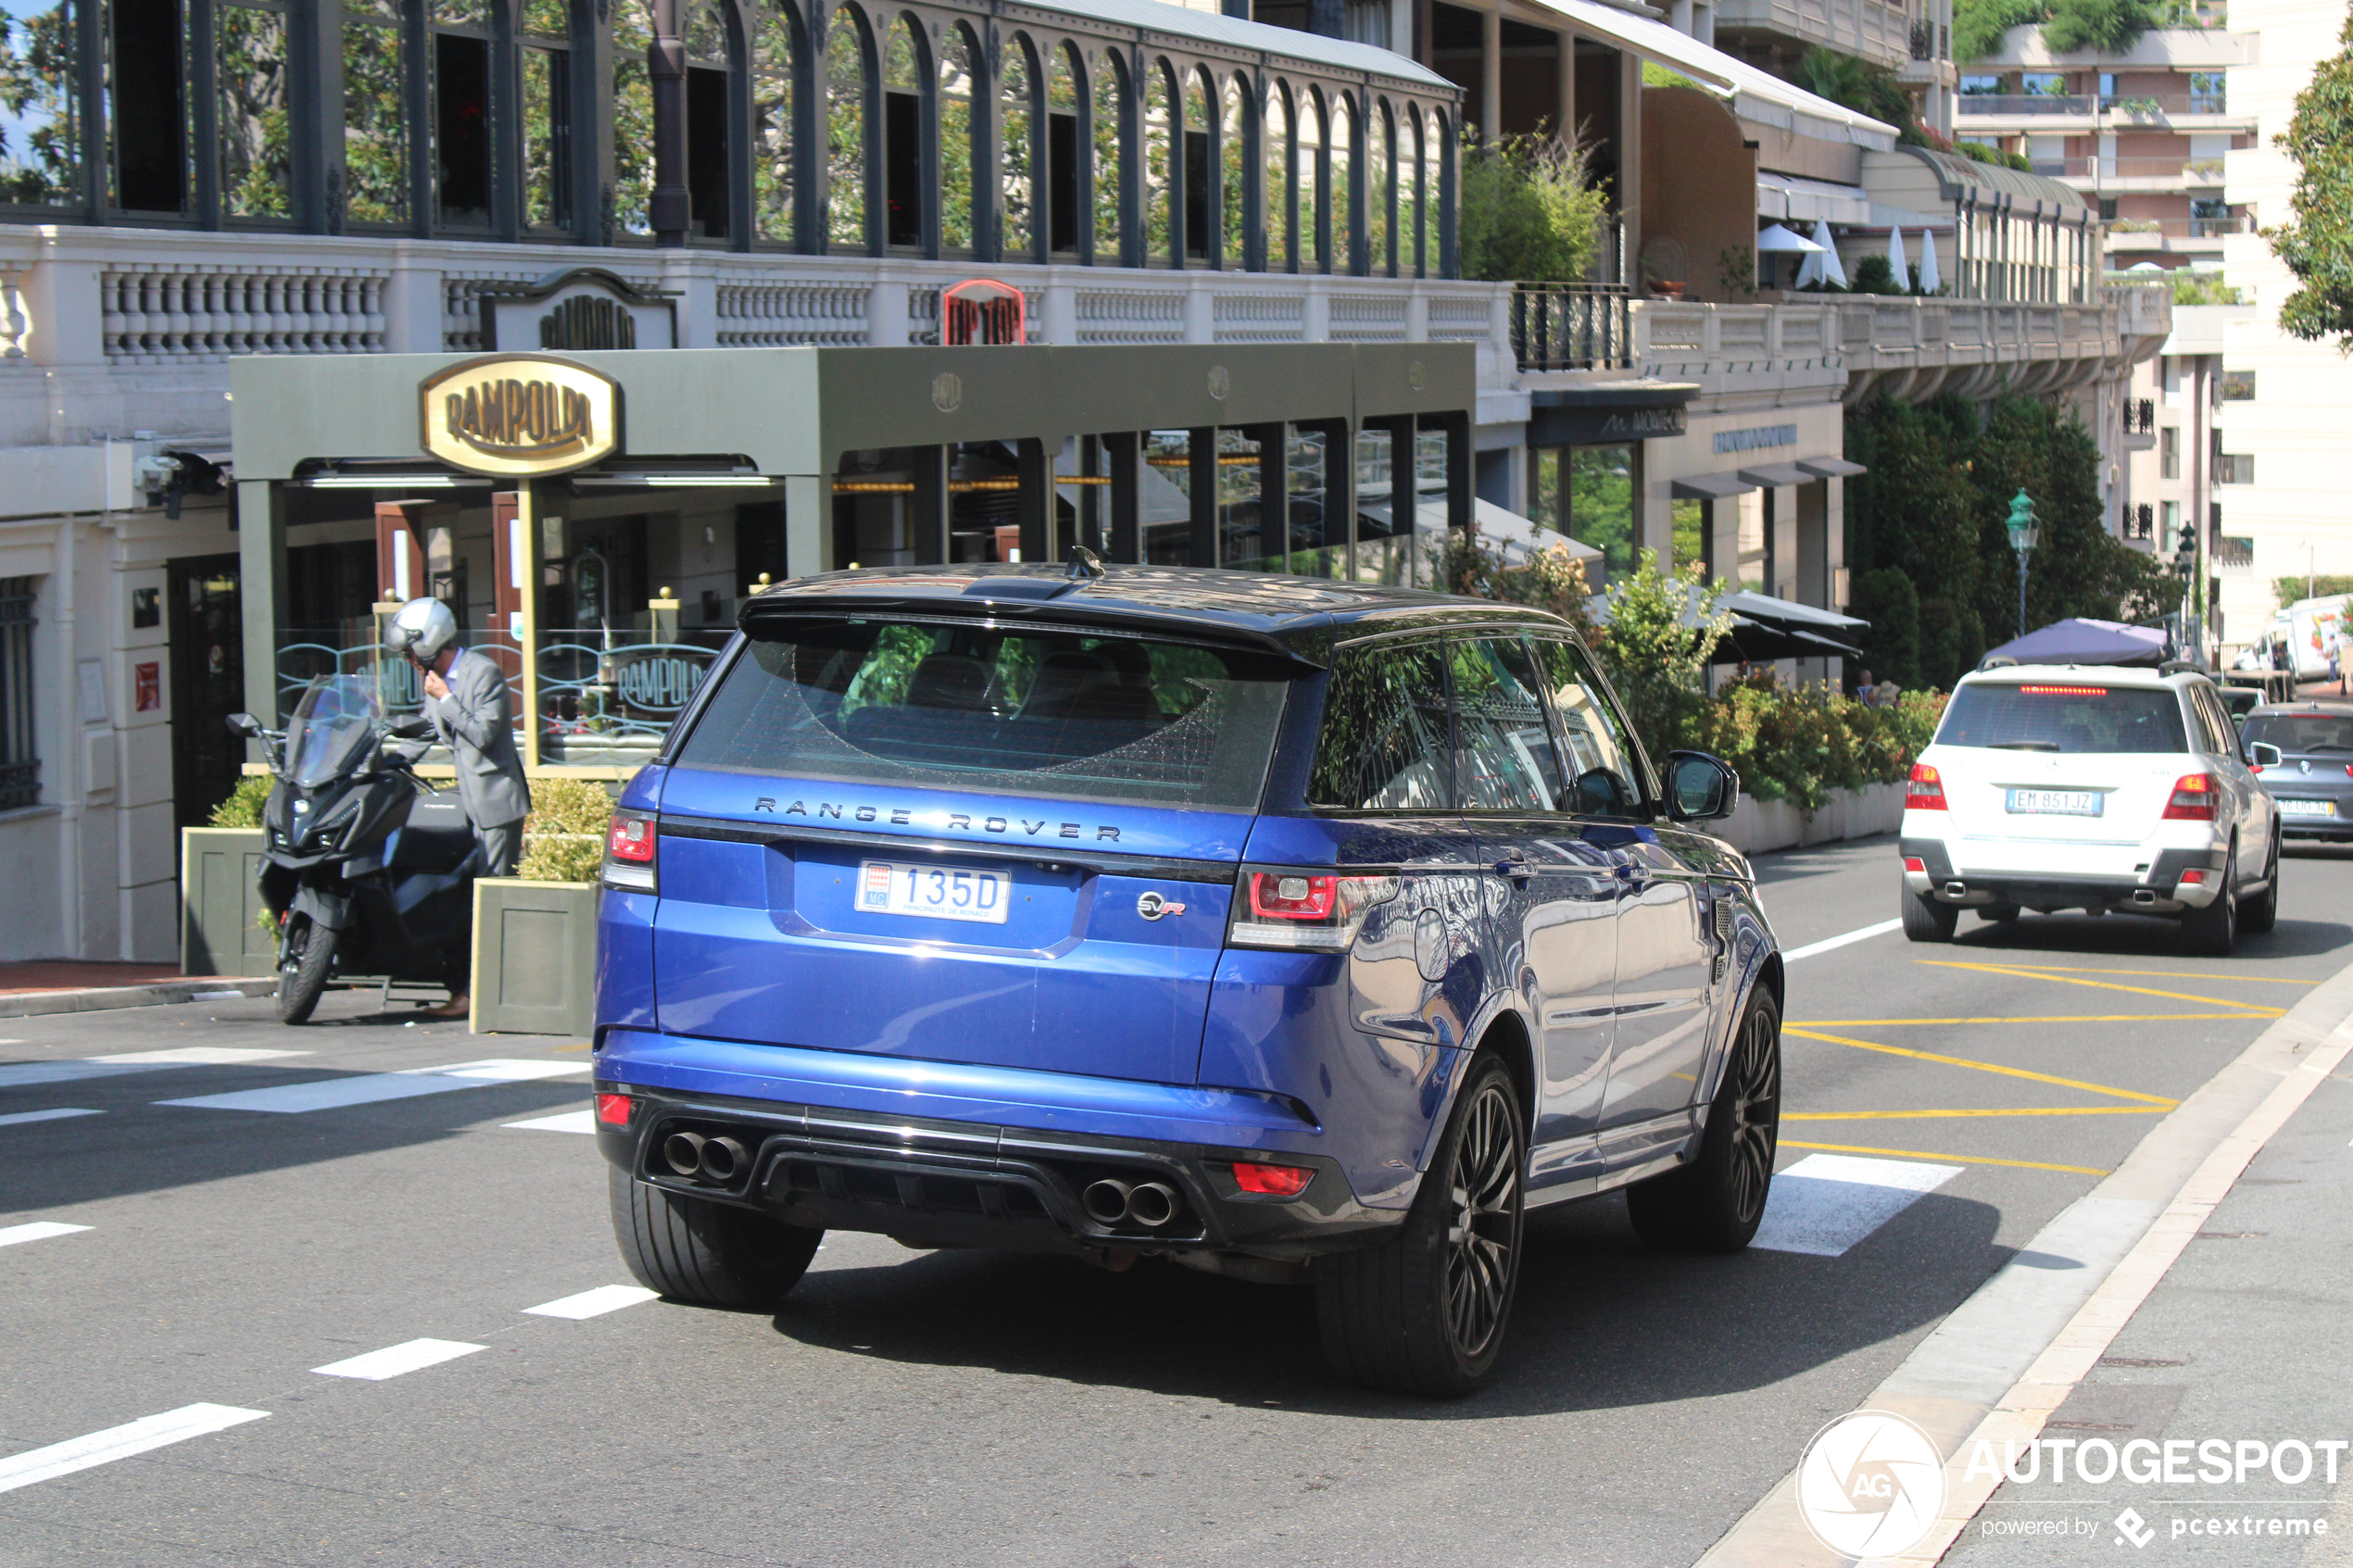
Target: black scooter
(361,876)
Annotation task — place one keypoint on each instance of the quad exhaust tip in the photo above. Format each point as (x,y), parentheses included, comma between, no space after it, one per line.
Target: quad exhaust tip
(1149,1204)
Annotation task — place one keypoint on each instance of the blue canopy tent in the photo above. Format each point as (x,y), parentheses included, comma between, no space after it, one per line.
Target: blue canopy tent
(2080,641)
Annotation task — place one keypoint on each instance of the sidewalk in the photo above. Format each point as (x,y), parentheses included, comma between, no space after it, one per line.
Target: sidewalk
(2242,1346)
(66,985)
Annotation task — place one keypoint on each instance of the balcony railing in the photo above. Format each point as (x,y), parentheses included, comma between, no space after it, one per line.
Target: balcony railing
(1572,326)
(2188,171)
(2138,522)
(2140,416)
(2233,467)
(2120,106)
(2233,552)
(2181,227)
(2021,102)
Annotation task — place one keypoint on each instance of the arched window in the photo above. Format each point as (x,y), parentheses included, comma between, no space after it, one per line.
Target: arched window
(1017,150)
(1200,181)
(375,113)
(1380,189)
(257,165)
(1063,94)
(1412,178)
(547,114)
(775,65)
(1348,214)
(1111,156)
(1308,177)
(709,63)
(904,67)
(1161,129)
(1233,172)
(460,43)
(1277,186)
(1434,198)
(845,228)
(957,51)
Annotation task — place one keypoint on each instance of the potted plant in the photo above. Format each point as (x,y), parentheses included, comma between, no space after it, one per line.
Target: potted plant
(535,933)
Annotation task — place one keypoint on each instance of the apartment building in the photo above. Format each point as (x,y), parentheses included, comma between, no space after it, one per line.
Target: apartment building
(2144,135)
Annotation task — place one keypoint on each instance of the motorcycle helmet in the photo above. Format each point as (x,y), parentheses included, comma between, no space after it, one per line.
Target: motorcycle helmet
(421,629)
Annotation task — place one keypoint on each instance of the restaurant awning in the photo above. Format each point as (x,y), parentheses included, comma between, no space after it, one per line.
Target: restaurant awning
(1771,476)
(1709,487)
(1797,200)
(1832,467)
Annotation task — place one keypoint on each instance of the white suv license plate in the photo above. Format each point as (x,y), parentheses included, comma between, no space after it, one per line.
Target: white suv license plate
(2308,807)
(2056,802)
(894,887)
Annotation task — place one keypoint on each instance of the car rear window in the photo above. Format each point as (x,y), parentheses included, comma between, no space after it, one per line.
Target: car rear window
(2076,716)
(2302,732)
(1066,714)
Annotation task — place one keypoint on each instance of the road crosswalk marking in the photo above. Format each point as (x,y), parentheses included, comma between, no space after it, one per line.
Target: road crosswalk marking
(119,1442)
(1831,944)
(563,1121)
(40,1230)
(334,1094)
(1825,1203)
(57,1115)
(25,1074)
(394,1361)
(592,1303)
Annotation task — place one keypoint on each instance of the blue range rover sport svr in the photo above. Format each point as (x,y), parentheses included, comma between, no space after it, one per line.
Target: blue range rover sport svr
(1291,930)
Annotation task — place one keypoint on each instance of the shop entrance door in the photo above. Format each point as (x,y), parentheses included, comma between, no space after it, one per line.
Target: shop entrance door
(207,685)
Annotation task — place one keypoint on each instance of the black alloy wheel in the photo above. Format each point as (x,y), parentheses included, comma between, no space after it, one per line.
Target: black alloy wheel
(1715,1202)
(1424,1311)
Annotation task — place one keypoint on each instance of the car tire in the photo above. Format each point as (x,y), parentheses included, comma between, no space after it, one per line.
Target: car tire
(306,955)
(2261,914)
(1925,920)
(710,1254)
(2212,932)
(1424,1312)
(1713,1203)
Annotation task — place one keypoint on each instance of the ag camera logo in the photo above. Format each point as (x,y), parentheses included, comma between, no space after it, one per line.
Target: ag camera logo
(1872,1484)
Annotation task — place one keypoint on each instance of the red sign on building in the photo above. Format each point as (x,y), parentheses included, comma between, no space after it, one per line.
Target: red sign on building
(146,687)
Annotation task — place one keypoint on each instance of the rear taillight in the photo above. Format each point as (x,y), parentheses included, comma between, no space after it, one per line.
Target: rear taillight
(1303,910)
(2192,799)
(1925,790)
(629,852)
(613,1110)
(1273,1181)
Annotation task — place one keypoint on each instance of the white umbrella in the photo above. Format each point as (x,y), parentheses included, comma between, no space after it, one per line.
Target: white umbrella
(1931,280)
(1774,237)
(1831,271)
(1896,260)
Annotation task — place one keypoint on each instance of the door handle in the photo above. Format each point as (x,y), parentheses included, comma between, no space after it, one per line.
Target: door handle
(1517,868)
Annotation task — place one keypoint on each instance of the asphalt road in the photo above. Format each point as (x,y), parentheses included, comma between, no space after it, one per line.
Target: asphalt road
(912,1408)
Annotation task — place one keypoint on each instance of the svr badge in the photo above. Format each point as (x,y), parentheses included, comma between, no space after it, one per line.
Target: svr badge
(1152,906)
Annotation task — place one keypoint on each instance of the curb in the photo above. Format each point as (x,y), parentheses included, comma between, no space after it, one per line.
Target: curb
(2007,1358)
(34,1004)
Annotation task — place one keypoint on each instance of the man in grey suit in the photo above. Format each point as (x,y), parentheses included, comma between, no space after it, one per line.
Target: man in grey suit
(466,698)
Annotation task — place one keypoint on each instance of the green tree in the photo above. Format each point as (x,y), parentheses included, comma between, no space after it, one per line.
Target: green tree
(2317,244)
(1654,647)
(1979,25)
(1526,213)
(2110,26)
(1886,598)
(1857,83)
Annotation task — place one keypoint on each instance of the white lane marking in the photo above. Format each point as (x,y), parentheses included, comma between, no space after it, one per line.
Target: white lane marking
(119,1442)
(40,1230)
(216,995)
(1828,943)
(592,1303)
(563,1121)
(393,1360)
(1825,1203)
(23,1074)
(57,1115)
(333,1094)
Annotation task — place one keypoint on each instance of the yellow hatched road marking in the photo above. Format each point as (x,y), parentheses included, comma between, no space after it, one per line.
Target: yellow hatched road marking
(2052,1017)
(2156,973)
(1914,1115)
(2250,1009)
(1982,1066)
(1958,1158)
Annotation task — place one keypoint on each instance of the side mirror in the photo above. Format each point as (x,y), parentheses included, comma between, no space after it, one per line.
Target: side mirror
(410,726)
(2263,754)
(245,724)
(1699,787)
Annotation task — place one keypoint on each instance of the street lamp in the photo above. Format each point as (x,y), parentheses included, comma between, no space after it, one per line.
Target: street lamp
(2025,533)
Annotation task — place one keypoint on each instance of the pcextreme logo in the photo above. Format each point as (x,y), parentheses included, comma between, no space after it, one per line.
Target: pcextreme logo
(1872,1484)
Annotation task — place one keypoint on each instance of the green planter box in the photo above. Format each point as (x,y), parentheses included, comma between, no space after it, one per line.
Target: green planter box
(220,929)
(534,957)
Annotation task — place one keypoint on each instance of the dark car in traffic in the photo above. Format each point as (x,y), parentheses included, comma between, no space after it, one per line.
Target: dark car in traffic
(2313,780)
(1286,929)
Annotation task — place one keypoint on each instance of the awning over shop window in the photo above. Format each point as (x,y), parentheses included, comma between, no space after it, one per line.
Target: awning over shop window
(1752,94)
(1709,487)
(1771,476)
(1832,467)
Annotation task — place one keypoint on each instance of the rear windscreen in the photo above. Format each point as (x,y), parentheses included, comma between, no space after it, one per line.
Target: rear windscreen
(1065,714)
(2064,718)
(2302,732)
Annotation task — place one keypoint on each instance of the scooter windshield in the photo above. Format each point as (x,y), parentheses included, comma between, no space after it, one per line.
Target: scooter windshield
(336,718)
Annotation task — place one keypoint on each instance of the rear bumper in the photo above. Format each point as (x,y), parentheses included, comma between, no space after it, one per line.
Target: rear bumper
(942,1155)
(2157,890)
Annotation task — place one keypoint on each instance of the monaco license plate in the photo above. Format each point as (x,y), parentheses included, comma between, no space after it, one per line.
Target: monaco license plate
(894,887)
(2056,802)
(2308,807)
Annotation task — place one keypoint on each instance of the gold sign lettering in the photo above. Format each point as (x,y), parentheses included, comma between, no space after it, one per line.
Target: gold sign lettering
(515,415)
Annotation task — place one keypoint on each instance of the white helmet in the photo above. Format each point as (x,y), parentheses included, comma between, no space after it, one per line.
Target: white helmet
(421,629)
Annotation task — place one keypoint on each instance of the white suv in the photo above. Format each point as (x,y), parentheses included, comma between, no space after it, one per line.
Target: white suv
(2067,787)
